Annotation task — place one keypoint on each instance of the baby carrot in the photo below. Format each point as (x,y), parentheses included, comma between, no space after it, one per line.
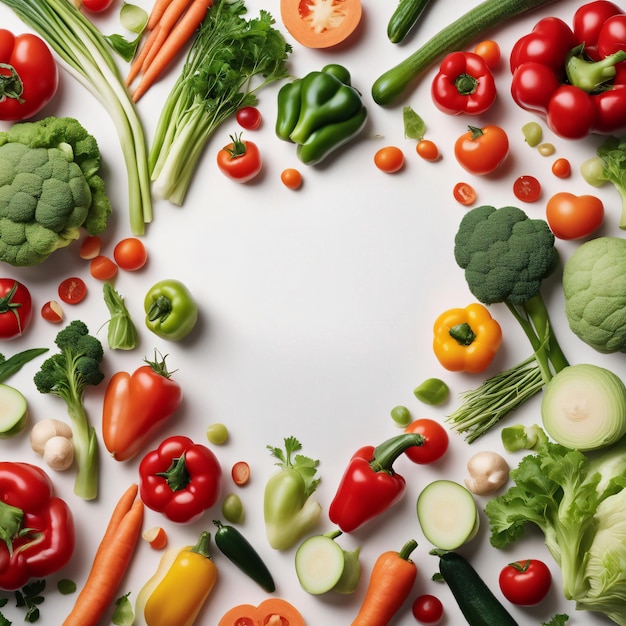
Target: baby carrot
(158,8)
(178,37)
(390,583)
(135,66)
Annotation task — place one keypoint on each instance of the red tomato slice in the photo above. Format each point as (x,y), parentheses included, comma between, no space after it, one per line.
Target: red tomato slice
(464,194)
(240,473)
(527,188)
(72,290)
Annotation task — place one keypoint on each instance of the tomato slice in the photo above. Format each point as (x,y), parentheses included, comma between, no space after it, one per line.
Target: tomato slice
(527,188)
(72,290)
(320,23)
(240,473)
(52,312)
(464,193)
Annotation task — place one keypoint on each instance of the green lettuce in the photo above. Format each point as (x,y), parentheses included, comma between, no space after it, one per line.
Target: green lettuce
(578,501)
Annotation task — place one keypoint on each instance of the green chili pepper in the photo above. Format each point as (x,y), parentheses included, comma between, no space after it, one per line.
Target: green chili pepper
(171,311)
(320,112)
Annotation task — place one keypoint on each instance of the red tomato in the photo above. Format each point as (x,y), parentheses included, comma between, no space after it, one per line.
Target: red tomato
(97,6)
(435,441)
(561,168)
(102,268)
(427,609)
(489,50)
(15,308)
(527,188)
(464,193)
(52,312)
(29,75)
(239,160)
(249,118)
(292,178)
(525,583)
(427,149)
(72,290)
(482,150)
(389,159)
(130,254)
(573,217)
(240,473)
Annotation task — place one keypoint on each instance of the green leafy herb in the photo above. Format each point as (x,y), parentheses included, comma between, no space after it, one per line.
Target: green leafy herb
(14,363)
(557,620)
(66,586)
(30,597)
(414,125)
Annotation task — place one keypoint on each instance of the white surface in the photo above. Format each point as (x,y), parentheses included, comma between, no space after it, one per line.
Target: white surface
(316,315)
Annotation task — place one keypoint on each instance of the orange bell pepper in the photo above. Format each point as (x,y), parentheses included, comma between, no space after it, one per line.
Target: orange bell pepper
(466,339)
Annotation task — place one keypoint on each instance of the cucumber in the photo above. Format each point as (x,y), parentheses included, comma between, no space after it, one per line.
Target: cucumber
(404,18)
(447,514)
(13,411)
(476,601)
(456,36)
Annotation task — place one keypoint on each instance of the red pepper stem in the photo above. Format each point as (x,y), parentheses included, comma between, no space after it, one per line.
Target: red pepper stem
(591,76)
(407,549)
(10,523)
(11,85)
(177,475)
(466,84)
(202,546)
(387,452)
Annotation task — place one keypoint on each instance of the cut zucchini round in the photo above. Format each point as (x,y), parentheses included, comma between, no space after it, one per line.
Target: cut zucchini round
(447,514)
(13,411)
(320,562)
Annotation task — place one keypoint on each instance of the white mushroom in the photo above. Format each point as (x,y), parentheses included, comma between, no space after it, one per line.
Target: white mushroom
(488,471)
(46,429)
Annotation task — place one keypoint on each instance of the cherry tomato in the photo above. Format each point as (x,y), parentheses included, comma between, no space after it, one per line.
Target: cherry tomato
(52,312)
(90,248)
(239,160)
(561,168)
(489,50)
(72,290)
(435,441)
(464,193)
(427,149)
(427,609)
(130,254)
(389,159)
(249,118)
(240,473)
(527,188)
(573,217)
(97,6)
(482,150)
(525,583)
(292,178)
(15,308)
(102,268)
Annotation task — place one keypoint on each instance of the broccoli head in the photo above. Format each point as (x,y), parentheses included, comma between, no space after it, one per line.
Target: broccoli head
(49,188)
(594,284)
(505,254)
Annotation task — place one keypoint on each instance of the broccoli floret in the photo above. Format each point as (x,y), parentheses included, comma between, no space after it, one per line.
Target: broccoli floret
(506,257)
(49,188)
(66,375)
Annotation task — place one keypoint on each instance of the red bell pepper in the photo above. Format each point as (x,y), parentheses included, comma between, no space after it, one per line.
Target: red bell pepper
(180,479)
(137,405)
(555,75)
(370,485)
(464,84)
(36,527)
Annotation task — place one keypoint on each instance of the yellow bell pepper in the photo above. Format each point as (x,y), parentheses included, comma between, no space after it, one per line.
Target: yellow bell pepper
(466,339)
(179,588)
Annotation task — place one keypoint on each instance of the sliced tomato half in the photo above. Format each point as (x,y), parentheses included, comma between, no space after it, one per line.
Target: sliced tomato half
(320,23)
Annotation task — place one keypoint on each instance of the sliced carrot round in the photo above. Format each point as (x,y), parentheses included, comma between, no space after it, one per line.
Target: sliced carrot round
(240,473)
(319,23)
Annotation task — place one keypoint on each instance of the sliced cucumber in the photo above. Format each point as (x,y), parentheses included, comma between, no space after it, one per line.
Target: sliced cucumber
(13,411)
(447,514)
(320,563)
(351,573)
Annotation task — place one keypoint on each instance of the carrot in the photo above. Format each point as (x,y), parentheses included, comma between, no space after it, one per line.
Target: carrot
(178,37)
(158,8)
(110,563)
(390,583)
(135,66)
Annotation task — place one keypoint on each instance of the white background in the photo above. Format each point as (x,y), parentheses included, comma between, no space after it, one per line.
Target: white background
(316,314)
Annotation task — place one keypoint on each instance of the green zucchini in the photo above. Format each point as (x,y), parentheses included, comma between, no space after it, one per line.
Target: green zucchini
(234,546)
(456,36)
(404,18)
(476,601)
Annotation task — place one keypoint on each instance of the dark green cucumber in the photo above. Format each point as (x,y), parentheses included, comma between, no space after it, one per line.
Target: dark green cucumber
(404,18)
(476,601)
(456,36)
(239,551)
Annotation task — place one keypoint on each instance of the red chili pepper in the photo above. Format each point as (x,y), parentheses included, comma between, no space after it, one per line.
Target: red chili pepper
(36,527)
(464,84)
(575,78)
(369,485)
(180,479)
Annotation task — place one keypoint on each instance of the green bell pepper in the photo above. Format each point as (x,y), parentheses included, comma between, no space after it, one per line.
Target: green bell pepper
(289,511)
(320,113)
(171,311)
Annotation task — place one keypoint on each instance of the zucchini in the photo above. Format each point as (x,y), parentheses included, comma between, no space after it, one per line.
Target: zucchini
(404,18)
(456,36)
(476,601)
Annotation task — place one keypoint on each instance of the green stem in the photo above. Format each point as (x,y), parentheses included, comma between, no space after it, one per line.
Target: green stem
(387,452)
(10,523)
(202,546)
(177,476)
(407,549)
(591,76)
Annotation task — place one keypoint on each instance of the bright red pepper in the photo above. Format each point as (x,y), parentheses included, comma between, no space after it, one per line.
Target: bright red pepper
(464,84)
(135,406)
(29,75)
(369,485)
(180,479)
(575,78)
(36,527)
